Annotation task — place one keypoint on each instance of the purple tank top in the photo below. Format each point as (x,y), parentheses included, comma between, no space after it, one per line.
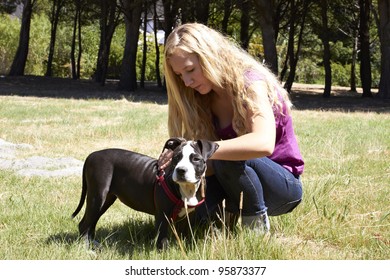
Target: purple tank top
(286,152)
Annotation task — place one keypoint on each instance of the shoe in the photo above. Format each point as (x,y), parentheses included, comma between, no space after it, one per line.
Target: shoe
(259,223)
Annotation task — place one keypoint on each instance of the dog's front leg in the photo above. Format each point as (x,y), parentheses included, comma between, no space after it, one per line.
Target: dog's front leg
(161,226)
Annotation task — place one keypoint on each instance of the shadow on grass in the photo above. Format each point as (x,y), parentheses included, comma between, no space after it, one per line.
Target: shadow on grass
(38,86)
(132,236)
(124,238)
(304,97)
(341,101)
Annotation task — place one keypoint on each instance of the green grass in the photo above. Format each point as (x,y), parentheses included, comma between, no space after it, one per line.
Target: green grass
(345,213)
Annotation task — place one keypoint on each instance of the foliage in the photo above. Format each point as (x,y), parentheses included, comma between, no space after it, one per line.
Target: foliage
(9,38)
(38,46)
(150,69)
(309,69)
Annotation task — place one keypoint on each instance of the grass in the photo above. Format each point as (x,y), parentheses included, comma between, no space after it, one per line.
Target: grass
(345,213)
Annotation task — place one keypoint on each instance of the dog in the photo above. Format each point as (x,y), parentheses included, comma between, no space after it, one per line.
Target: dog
(134,179)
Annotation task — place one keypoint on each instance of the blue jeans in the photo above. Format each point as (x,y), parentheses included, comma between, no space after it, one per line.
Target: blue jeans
(266,187)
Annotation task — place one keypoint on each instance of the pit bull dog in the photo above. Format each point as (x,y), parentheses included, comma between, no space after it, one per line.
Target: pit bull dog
(133,178)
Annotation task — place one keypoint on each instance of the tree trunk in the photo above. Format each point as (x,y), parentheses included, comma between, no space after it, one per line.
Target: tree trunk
(384,31)
(128,78)
(244,23)
(325,41)
(294,57)
(54,19)
(171,9)
(266,12)
(227,11)
(202,11)
(291,40)
(20,59)
(145,45)
(73,44)
(108,22)
(157,61)
(80,46)
(353,62)
(364,34)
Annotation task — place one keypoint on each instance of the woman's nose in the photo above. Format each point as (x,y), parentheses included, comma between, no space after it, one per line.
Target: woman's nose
(187,80)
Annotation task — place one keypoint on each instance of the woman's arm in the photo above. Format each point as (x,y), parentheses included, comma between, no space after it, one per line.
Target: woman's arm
(260,141)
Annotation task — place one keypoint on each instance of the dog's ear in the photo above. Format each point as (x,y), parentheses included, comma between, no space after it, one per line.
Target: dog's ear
(207,148)
(173,143)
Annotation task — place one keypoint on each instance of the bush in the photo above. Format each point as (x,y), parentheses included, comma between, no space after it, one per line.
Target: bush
(341,74)
(9,30)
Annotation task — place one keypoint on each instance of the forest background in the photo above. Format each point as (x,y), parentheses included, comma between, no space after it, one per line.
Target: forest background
(339,42)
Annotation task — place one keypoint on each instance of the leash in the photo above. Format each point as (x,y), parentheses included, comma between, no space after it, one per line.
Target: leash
(179,204)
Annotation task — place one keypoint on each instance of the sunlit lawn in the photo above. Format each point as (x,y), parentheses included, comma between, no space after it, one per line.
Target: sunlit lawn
(344,214)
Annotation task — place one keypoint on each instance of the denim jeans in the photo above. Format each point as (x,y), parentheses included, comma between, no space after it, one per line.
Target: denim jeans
(266,187)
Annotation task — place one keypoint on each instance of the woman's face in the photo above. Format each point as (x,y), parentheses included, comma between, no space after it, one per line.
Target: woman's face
(187,67)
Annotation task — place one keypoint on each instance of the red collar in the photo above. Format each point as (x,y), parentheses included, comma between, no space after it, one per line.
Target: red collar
(179,204)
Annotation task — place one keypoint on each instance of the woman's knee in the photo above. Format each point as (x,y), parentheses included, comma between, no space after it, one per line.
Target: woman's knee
(284,208)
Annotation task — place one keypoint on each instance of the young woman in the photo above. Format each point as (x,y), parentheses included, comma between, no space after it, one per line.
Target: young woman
(217,91)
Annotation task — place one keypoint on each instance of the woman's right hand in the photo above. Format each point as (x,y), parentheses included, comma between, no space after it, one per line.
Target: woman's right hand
(165,159)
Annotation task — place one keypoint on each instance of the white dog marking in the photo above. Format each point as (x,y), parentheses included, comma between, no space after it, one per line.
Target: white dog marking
(187,179)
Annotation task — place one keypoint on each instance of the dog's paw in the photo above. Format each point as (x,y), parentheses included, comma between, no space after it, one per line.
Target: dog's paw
(163,244)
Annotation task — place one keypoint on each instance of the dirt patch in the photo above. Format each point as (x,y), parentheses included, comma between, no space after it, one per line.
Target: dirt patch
(304,97)
(36,165)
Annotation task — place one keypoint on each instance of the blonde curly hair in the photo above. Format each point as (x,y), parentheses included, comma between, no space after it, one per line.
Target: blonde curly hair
(224,64)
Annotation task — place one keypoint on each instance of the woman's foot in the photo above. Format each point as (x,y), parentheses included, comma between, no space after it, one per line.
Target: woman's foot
(259,223)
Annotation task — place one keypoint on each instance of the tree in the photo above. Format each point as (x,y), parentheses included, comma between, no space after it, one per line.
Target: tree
(171,9)
(384,31)
(202,11)
(145,43)
(364,35)
(76,39)
(325,41)
(227,11)
(109,19)
(20,59)
(299,10)
(54,19)
(244,23)
(345,28)
(266,12)
(157,61)
(132,10)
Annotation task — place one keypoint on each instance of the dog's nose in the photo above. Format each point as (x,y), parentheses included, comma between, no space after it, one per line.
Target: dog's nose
(181,171)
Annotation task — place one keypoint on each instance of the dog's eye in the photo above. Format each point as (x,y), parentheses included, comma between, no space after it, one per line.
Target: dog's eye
(176,157)
(196,158)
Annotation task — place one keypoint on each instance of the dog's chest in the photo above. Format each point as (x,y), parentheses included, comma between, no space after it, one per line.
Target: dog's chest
(183,212)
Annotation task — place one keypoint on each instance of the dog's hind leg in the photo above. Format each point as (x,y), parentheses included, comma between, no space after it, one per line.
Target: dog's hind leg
(97,204)
(110,199)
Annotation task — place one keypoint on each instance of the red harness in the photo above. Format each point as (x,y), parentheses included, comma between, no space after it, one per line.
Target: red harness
(179,204)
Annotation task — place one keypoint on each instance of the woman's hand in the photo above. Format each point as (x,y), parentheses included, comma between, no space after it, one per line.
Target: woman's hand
(165,159)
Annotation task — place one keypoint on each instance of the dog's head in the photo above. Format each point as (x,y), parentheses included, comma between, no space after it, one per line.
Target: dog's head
(189,165)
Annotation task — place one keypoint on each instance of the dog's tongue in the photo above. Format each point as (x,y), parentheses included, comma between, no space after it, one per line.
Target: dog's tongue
(193,201)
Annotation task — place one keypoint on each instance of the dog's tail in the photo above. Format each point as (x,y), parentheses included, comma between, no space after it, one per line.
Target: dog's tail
(83,195)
